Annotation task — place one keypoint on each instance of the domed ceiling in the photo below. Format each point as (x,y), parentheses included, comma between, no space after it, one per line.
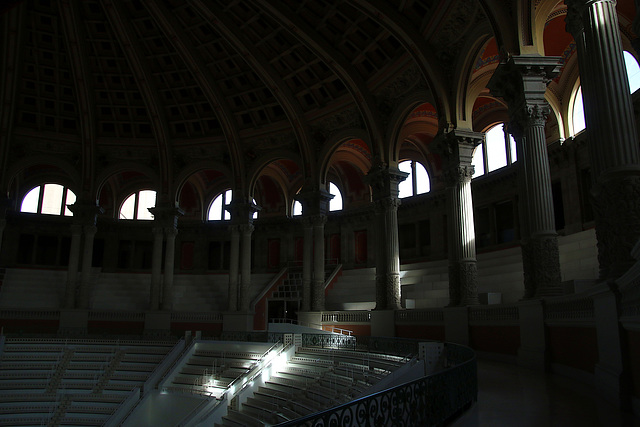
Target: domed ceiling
(161,85)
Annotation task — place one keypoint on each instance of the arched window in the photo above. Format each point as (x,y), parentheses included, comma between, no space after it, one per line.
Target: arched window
(335,204)
(137,205)
(417,182)
(577,112)
(218,209)
(48,199)
(496,151)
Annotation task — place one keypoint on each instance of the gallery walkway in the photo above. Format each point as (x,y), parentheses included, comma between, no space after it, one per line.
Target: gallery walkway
(509,395)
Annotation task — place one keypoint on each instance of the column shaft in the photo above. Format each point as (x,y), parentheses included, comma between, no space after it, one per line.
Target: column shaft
(245,266)
(87,257)
(317,285)
(391,254)
(156,268)
(169,261)
(234,262)
(613,142)
(72,271)
(307,251)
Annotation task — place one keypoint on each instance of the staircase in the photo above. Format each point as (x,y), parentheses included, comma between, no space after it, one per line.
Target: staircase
(354,290)
(425,284)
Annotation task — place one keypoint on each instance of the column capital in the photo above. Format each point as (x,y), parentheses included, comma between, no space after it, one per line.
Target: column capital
(314,220)
(170,232)
(166,216)
(242,212)
(384,180)
(85,211)
(315,201)
(456,146)
(575,19)
(386,203)
(458,174)
(246,228)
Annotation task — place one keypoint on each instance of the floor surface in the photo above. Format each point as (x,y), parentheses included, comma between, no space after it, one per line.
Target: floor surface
(509,395)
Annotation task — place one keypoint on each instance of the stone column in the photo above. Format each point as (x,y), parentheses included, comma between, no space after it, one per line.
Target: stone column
(307,251)
(85,214)
(156,268)
(166,217)
(317,283)
(72,270)
(315,205)
(384,182)
(612,139)
(456,148)
(170,234)
(522,82)
(234,263)
(87,257)
(245,266)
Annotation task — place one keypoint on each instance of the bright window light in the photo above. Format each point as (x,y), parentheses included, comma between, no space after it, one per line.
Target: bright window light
(297,208)
(71,199)
(633,71)
(217,210)
(423,182)
(30,201)
(578,112)
(137,205)
(335,204)
(496,149)
(48,199)
(478,161)
(405,188)
(417,182)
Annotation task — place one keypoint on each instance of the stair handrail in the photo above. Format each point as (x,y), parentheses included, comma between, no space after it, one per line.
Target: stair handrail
(332,276)
(268,286)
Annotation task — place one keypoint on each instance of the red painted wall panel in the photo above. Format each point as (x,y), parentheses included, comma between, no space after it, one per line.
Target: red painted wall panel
(495,339)
(576,347)
(428,332)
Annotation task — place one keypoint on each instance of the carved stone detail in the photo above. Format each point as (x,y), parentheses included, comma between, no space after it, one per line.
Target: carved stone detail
(545,268)
(468,278)
(617,210)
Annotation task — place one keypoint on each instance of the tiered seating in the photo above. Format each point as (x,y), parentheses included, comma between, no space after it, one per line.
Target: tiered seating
(58,382)
(211,371)
(314,379)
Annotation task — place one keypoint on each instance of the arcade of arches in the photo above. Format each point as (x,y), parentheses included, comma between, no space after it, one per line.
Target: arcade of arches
(221,163)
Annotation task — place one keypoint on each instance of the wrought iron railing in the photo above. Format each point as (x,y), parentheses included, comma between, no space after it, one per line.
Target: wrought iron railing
(429,401)
(328,341)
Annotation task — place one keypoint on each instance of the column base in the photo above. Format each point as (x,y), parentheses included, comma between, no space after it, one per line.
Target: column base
(383,323)
(456,325)
(73,322)
(239,321)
